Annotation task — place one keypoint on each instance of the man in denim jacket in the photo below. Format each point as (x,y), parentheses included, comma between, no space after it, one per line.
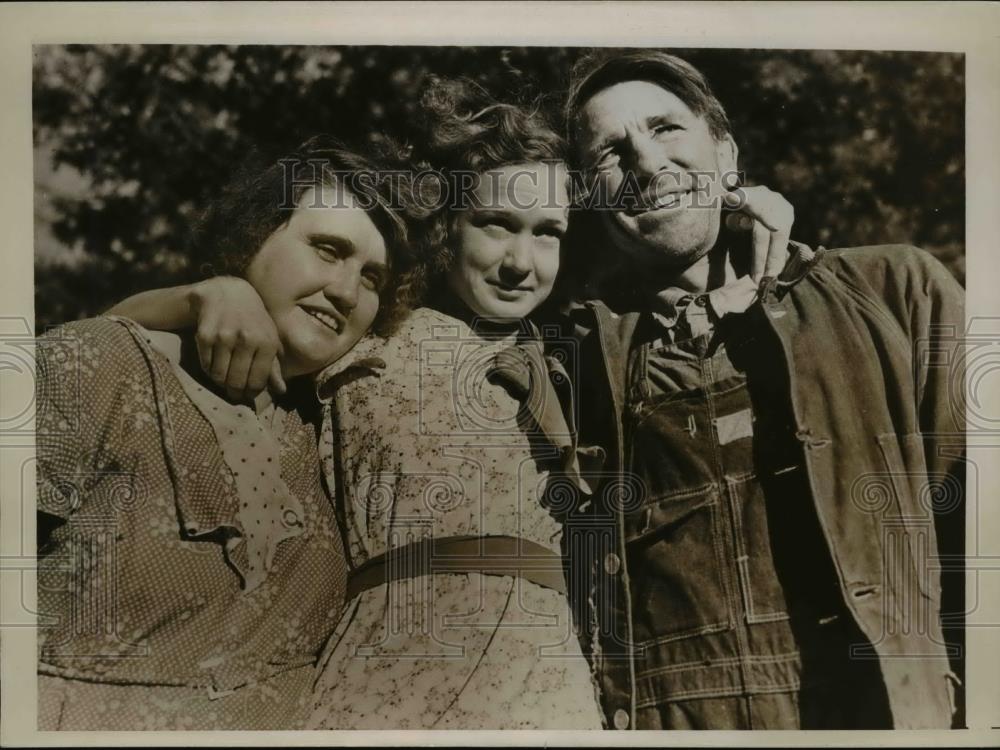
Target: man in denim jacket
(777,467)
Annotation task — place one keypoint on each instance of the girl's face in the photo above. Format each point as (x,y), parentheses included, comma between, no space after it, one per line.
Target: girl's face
(319,277)
(507,242)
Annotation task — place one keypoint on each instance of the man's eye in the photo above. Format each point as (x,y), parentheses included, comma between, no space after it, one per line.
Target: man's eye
(607,159)
(666,127)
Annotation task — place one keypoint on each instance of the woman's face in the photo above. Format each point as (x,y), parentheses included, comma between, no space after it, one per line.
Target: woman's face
(320,276)
(506,242)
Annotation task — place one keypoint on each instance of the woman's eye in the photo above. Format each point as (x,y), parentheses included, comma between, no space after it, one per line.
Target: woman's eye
(327,251)
(495,225)
(372,280)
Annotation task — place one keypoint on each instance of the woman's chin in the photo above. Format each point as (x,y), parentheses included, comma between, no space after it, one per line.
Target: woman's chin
(507,311)
(502,317)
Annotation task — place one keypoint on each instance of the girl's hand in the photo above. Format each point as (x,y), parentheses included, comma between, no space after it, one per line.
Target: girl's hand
(238,343)
(771,218)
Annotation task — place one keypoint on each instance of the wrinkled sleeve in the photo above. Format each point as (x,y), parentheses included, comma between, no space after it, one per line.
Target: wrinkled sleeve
(929,306)
(79,398)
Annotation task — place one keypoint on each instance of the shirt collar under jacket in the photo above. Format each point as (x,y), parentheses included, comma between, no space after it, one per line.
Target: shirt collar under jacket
(669,305)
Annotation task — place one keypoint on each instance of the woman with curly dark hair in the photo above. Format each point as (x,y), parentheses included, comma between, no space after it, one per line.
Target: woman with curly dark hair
(439,443)
(189,555)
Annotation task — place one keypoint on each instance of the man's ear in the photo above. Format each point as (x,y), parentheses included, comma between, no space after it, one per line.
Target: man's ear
(728,154)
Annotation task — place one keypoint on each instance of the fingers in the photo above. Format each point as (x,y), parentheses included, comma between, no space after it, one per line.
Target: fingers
(770,217)
(241,368)
(738,222)
(763,204)
(275,379)
(238,375)
(761,250)
(222,352)
(205,340)
(777,254)
(261,370)
(238,343)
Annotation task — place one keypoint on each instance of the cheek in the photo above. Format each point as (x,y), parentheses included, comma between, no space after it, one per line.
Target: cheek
(547,264)
(477,253)
(366,311)
(606,185)
(618,220)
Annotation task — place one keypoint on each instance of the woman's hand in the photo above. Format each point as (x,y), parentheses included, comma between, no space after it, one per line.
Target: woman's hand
(238,343)
(771,217)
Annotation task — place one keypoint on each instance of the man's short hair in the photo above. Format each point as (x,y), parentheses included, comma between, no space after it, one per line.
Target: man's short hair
(598,70)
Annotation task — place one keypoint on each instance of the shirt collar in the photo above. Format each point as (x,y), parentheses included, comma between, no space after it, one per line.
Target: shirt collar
(363,358)
(668,304)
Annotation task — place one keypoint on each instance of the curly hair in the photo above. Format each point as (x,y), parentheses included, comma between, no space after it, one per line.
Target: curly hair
(461,128)
(265,190)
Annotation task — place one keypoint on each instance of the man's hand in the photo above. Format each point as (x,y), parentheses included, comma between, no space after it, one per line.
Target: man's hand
(238,343)
(771,218)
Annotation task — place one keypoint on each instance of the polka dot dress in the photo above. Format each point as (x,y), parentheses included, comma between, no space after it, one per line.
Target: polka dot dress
(159,608)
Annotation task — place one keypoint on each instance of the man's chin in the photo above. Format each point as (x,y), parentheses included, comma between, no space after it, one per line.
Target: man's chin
(664,254)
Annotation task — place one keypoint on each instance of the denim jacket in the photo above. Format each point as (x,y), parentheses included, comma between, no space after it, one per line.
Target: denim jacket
(871,338)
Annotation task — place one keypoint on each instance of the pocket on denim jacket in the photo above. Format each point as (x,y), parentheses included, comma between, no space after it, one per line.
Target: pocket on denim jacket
(676,568)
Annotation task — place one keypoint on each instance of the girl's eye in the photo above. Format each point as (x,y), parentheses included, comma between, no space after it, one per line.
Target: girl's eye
(497,225)
(550,234)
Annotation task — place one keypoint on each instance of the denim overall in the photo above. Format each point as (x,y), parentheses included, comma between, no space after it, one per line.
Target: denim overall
(738,617)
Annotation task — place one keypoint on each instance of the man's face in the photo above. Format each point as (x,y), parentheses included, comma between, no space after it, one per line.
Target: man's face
(637,131)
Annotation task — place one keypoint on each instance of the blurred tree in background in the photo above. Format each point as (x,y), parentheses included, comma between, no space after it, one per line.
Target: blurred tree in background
(132,140)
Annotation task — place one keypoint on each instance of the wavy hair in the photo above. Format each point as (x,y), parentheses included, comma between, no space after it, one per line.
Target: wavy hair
(462,128)
(264,192)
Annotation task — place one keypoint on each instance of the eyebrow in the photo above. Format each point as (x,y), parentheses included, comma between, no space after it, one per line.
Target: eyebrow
(611,140)
(481,212)
(553,223)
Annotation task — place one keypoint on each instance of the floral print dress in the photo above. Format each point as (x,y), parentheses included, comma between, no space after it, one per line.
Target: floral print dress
(193,568)
(420,441)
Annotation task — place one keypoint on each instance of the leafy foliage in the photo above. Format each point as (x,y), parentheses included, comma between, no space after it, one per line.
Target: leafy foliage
(867,146)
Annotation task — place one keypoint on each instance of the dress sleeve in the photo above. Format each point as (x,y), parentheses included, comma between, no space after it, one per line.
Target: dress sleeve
(82,395)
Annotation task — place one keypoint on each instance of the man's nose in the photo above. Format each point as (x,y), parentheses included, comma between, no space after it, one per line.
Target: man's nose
(342,288)
(518,256)
(648,157)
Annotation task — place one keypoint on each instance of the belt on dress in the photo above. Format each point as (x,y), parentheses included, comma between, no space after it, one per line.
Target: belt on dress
(488,555)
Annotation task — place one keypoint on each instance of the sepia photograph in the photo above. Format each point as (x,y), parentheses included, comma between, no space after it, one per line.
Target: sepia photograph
(571,387)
